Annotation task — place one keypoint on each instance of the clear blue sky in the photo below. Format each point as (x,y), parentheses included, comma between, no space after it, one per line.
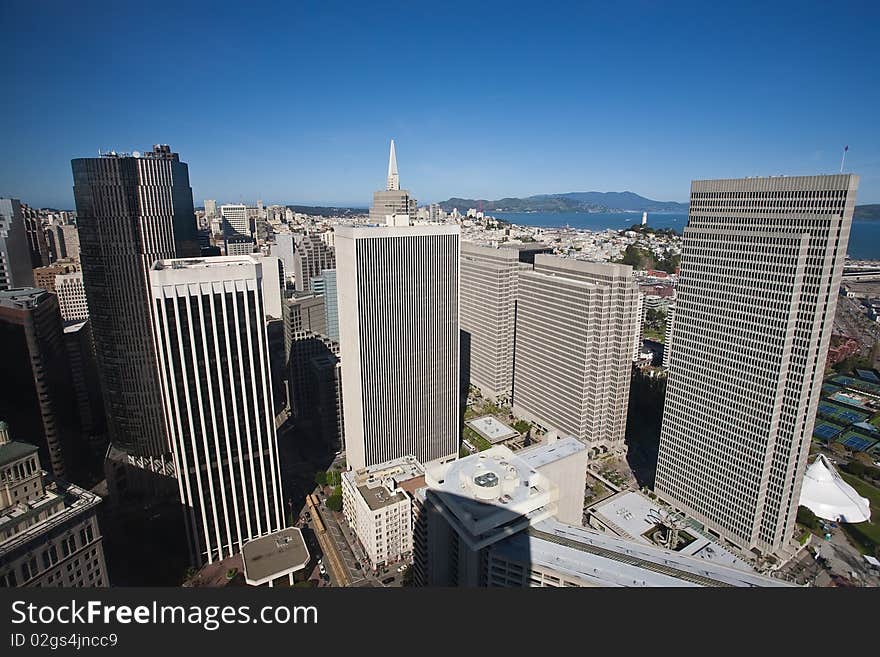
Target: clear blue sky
(296,101)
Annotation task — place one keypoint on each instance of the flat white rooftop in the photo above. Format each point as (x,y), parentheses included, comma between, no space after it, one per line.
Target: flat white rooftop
(275,555)
(492,429)
(602,560)
(541,455)
(629,513)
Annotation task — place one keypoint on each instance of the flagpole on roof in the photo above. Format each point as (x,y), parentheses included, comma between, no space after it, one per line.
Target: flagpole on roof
(843,158)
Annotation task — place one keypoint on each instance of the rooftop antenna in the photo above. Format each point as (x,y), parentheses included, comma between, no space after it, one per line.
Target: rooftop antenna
(843,158)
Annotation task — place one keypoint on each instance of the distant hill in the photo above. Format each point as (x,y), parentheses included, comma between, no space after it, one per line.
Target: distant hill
(867,211)
(325,211)
(569,202)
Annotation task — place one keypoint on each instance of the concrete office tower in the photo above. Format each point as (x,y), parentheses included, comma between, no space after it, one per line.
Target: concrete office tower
(131,211)
(214,363)
(41,252)
(762,260)
(670,329)
(16,268)
(312,366)
(489,282)
(331,303)
(284,248)
(641,314)
(393,200)
(69,240)
(210,208)
(49,535)
(36,394)
(310,257)
(86,388)
(235,220)
(575,328)
(237,234)
(71,294)
(399,341)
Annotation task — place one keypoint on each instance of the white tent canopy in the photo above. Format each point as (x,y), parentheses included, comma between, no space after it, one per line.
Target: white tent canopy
(826,494)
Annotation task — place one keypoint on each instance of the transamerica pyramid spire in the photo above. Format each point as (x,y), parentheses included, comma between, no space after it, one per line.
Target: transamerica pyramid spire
(393,178)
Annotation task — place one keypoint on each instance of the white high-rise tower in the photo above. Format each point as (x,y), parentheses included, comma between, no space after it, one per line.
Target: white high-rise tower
(397,290)
(213,354)
(761,265)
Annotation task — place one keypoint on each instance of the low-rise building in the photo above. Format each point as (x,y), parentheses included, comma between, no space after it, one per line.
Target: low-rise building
(49,533)
(492,519)
(377,503)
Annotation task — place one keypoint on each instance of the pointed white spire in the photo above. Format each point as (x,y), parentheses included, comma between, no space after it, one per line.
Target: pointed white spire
(393,178)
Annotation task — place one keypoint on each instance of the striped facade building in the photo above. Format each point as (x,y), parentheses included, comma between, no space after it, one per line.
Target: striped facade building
(575,329)
(398,290)
(762,260)
(213,357)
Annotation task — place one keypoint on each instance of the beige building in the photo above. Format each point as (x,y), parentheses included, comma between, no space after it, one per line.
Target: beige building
(397,291)
(489,282)
(575,330)
(377,503)
(761,265)
(71,294)
(49,533)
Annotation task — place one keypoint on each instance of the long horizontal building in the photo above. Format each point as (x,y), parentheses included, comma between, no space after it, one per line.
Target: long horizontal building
(492,519)
(551,553)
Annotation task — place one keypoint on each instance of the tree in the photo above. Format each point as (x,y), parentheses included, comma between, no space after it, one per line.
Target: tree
(334,502)
(855,468)
(807,518)
(321,478)
(837,448)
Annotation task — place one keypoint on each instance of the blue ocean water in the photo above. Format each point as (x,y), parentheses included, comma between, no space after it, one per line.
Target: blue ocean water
(864,239)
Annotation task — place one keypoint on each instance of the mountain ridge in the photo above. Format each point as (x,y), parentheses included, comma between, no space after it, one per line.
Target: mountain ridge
(569,202)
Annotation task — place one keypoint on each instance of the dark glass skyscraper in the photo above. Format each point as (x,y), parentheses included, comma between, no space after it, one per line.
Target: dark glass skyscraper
(131,211)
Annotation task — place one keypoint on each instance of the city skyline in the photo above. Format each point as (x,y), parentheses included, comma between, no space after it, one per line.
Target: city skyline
(510,105)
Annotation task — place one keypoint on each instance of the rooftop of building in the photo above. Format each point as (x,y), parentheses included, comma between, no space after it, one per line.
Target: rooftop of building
(413,230)
(489,490)
(632,515)
(74,325)
(68,500)
(274,555)
(23,297)
(204,263)
(492,429)
(159,152)
(603,560)
(552,264)
(379,485)
(14,451)
(551,451)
